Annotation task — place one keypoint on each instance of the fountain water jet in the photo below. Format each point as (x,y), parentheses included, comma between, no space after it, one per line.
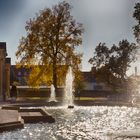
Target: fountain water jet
(52,96)
(69,88)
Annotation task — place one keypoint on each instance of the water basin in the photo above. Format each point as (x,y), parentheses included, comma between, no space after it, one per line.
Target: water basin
(83,123)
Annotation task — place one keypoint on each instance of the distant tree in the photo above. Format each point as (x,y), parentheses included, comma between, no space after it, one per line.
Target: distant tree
(122,57)
(50,43)
(113,63)
(136,28)
(101,56)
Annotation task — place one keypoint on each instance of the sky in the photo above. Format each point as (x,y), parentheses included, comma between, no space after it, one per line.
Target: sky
(107,21)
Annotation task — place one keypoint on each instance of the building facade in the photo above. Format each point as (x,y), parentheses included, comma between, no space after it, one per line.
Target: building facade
(4,72)
(90,82)
(20,75)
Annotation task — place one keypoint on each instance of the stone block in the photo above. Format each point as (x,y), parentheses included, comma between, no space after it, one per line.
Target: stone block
(36,116)
(10,120)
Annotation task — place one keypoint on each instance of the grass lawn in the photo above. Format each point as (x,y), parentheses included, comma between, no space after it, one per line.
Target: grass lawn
(92,98)
(77,98)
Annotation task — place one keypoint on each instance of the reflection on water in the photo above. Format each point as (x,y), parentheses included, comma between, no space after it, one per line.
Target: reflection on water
(85,123)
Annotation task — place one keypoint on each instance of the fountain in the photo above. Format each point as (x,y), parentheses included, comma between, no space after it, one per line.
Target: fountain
(52,96)
(69,88)
(136,98)
(82,122)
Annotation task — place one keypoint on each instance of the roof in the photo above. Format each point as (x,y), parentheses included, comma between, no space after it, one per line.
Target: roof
(88,76)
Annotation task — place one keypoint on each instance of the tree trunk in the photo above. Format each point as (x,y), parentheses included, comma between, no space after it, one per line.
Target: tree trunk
(55,74)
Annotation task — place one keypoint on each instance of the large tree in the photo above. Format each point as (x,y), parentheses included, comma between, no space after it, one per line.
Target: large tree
(113,63)
(136,28)
(50,43)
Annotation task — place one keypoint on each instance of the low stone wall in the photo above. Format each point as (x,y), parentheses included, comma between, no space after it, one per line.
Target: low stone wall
(42,92)
(45,92)
(107,94)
